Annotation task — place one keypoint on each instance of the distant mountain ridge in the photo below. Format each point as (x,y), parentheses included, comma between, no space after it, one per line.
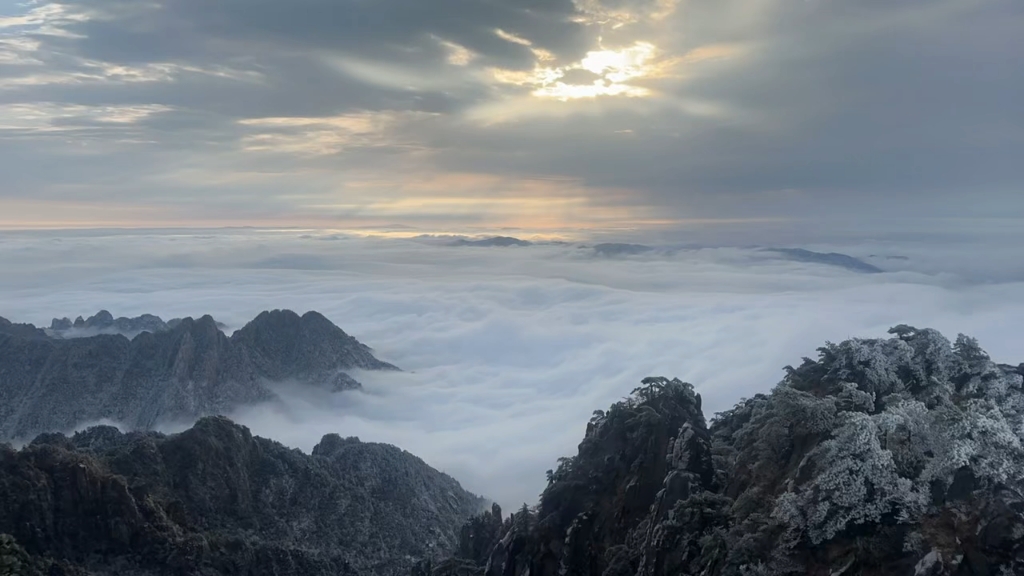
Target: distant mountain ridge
(612,249)
(494,241)
(480,242)
(103,322)
(180,373)
(828,258)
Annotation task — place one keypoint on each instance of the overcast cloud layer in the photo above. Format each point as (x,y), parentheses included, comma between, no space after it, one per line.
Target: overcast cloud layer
(542,114)
(507,351)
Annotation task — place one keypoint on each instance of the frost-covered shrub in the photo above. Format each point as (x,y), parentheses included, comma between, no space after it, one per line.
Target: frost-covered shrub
(976,435)
(804,413)
(905,430)
(856,482)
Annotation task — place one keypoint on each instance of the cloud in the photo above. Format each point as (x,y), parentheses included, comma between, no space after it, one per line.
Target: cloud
(700,109)
(508,351)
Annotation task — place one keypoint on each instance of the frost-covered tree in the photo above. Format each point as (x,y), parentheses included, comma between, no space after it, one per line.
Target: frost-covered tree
(852,399)
(875,366)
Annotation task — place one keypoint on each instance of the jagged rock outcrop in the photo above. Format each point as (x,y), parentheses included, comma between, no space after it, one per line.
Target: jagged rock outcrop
(178,374)
(216,500)
(284,345)
(103,322)
(27,331)
(883,457)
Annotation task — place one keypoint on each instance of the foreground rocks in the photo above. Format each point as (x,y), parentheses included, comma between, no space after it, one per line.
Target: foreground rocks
(882,457)
(899,456)
(216,500)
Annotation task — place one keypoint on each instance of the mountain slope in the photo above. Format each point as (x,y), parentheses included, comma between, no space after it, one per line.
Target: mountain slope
(190,370)
(216,500)
(882,457)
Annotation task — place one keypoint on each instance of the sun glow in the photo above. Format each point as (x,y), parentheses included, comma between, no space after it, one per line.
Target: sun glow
(619,65)
(613,70)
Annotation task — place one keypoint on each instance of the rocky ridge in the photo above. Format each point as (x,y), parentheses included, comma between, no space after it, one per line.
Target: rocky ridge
(883,457)
(189,370)
(215,500)
(103,322)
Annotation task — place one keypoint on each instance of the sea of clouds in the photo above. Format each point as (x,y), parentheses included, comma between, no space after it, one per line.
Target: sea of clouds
(506,352)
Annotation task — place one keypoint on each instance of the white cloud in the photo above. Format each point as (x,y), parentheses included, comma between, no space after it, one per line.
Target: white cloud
(508,351)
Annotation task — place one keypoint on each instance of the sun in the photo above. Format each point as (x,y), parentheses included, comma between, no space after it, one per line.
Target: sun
(612,71)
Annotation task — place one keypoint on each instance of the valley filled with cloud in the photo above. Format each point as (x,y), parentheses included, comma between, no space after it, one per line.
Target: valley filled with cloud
(506,351)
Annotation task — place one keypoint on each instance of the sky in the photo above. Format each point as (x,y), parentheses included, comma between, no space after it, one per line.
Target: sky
(537,115)
(506,352)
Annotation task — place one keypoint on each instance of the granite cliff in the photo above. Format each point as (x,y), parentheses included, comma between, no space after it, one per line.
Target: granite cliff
(215,500)
(883,457)
(183,371)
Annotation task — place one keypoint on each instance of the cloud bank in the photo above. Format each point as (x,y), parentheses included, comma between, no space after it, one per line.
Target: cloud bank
(508,350)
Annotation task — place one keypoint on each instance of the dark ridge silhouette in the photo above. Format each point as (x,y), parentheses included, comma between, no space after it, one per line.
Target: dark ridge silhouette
(103,322)
(830,259)
(188,370)
(612,249)
(496,241)
(216,500)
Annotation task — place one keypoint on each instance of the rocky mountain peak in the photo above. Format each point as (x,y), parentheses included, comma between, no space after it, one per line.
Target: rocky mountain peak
(332,444)
(288,327)
(217,500)
(186,369)
(205,327)
(281,342)
(883,457)
(102,319)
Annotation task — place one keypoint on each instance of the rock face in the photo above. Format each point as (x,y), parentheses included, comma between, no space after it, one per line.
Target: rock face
(284,345)
(180,373)
(216,500)
(899,456)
